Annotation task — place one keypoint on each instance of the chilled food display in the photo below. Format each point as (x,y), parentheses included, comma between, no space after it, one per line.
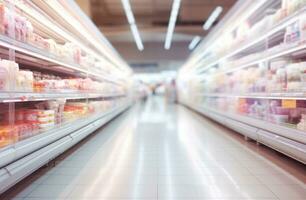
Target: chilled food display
(14,23)
(249,74)
(246,32)
(282,112)
(14,79)
(34,118)
(281,75)
(60,80)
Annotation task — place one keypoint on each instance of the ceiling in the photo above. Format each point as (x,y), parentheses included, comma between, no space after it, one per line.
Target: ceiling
(152,17)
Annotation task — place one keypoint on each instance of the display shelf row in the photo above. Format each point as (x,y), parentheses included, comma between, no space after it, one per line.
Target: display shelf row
(286,50)
(23,120)
(37,141)
(283,24)
(284,112)
(266,56)
(16,77)
(60,80)
(21,160)
(250,72)
(290,133)
(286,140)
(282,76)
(70,19)
(53,61)
(6,97)
(48,41)
(276,95)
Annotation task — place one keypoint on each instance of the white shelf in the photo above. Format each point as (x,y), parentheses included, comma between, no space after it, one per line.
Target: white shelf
(288,141)
(278,95)
(29,145)
(30,50)
(6,97)
(279,26)
(290,133)
(290,49)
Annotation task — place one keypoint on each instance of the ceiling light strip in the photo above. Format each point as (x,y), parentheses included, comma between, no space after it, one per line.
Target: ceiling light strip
(212,18)
(137,37)
(131,19)
(173,17)
(195,41)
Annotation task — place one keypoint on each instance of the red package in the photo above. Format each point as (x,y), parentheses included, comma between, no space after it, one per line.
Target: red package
(19,115)
(31,116)
(7,135)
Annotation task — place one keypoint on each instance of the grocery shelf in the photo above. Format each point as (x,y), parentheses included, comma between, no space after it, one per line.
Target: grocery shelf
(6,97)
(265,52)
(50,54)
(289,133)
(46,24)
(30,50)
(267,55)
(30,144)
(290,49)
(276,95)
(21,159)
(279,26)
(289,141)
(60,12)
(60,19)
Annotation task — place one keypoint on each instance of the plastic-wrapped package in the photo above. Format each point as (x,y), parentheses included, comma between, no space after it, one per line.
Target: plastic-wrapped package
(4,77)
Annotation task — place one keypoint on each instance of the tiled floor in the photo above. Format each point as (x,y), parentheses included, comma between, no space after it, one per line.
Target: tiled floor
(158,151)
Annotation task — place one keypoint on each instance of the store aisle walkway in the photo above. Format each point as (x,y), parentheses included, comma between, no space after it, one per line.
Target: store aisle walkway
(158,151)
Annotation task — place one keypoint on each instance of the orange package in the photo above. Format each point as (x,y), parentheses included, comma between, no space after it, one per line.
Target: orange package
(7,135)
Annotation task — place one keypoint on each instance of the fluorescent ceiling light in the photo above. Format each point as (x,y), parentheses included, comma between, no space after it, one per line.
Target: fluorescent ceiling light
(137,37)
(172,21)
(128,11)
(195,41)
(212,18)
(132,22)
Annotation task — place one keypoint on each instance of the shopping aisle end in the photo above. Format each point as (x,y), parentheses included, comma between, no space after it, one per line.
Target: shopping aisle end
(165,151)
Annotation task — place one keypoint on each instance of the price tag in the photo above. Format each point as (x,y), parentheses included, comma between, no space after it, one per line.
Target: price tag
(288,103)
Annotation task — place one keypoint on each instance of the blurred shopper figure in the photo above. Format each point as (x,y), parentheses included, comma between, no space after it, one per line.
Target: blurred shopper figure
(171,93)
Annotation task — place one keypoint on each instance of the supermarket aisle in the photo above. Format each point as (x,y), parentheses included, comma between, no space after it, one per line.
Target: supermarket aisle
(166,152)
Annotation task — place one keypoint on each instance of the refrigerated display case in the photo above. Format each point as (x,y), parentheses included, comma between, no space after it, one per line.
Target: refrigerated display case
(60,80)
(249,74)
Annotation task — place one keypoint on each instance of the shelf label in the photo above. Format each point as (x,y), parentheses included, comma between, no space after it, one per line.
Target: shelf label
(288,103)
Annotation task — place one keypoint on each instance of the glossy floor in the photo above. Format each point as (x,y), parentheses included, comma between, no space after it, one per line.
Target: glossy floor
(160,151)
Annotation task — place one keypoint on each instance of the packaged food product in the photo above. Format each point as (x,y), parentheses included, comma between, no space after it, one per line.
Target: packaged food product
(42,120)
(4,77)
(24,81)
(8,135)
(4,137)
(46,126)
(52,46)
(46,113)
(31,115)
